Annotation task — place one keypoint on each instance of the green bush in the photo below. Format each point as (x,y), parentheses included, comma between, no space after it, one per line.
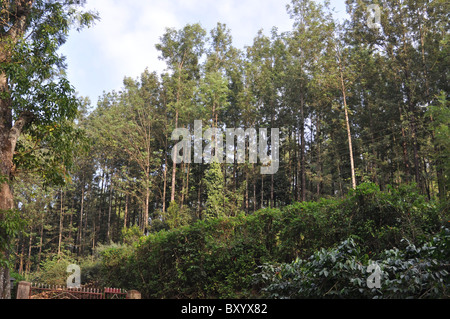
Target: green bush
(114,270)
(217,257)
(341,272)
(212,258)
(53,270)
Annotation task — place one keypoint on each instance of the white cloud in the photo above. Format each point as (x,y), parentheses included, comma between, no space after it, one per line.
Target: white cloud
(123,42)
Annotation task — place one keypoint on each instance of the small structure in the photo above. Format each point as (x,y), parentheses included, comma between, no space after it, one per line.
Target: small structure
(23,290)
(27,290)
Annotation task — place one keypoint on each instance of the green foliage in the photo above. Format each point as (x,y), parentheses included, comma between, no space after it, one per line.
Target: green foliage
(11,225)
(218,257)
(131,235)
(440,113)
(114,268)
(53,270)
(341,272)
(176,216)
(38,87)
(214,181)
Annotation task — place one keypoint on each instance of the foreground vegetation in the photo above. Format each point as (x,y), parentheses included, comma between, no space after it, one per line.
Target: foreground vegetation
(310,249)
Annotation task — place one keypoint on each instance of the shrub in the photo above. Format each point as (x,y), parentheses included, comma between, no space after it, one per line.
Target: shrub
(217,257)
(53,270)
(114,270)
(341,272)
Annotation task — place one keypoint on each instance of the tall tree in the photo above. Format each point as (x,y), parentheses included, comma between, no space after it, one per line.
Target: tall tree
(182,50)
(308,43)
(134,115)
(34,94)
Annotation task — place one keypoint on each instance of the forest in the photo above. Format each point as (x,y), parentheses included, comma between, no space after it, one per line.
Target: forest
(363,175)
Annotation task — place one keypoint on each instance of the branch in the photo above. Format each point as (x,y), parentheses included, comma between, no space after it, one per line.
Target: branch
(22,12)
(25,118)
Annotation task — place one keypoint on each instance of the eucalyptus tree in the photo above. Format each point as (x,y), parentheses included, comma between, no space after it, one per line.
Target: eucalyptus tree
(308,44)
(409,45)
(214,86)
(182,50)
(241,112)
(133,113)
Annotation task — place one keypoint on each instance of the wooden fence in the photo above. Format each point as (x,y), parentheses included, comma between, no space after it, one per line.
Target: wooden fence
(28,290)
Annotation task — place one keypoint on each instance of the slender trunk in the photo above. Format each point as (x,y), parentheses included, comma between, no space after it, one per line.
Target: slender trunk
(60,224)
(30,242)
(109,210)
(187,181)
(341,189)
(262,191)
(183,183)
(254,197)
(199,198)
(297,168)
(412,121)
(347,123)
(291,156)
(93,234)
(164,183)
(246,188)
(174,168)
(80,226)
(146,208)
(319,163)
(125,216)
(69,237)
(425,182)
(416,151)
(302,149)
(40,243)
(21,258)
(404,148)
(85,223)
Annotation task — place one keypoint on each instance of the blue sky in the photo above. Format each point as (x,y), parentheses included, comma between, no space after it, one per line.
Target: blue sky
(123,42)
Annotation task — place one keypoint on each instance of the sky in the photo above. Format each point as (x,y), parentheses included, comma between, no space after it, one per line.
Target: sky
(122,43)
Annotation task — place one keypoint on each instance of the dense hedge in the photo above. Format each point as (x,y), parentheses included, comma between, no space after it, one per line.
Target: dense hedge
(217,258)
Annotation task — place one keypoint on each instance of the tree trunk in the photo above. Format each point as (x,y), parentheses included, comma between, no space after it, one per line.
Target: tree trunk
(110,209)
(165,182)
(9,133)
(80,225)
(6,196)
(60,225)
(187,181)
(30,242)
(319,163)
(347,123)
(262,191)
(183,183)
(40,244)
(254,197)
(147,205)
(302,149)
(125,216)
(174,168)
